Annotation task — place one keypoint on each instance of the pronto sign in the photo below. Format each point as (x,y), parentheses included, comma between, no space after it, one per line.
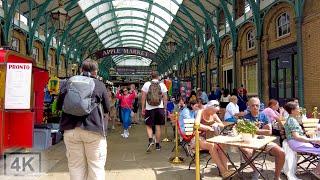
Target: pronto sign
(18,86)
(124,50)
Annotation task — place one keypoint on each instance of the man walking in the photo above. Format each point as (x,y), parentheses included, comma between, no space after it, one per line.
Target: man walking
(153,103)
(85,102)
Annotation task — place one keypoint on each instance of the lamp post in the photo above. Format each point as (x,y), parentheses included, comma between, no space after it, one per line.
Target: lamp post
(60,20)
(112,71)
(175,81)
(171,44)
(154,66)
(174,69)
(169,72)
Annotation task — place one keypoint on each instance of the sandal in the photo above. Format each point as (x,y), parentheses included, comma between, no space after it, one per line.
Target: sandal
(227,174)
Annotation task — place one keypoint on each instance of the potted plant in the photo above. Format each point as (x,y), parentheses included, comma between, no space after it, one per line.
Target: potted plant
(247,129)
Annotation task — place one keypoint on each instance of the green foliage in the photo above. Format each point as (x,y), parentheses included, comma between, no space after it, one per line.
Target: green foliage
(245,126)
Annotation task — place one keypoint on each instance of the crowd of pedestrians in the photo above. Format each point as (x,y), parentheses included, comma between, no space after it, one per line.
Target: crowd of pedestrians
(87,106)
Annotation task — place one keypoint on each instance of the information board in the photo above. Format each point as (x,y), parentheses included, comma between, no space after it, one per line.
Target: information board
(18,86)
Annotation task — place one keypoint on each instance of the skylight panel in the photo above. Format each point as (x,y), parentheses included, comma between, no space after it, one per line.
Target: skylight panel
(130,3)
(162,23)
(131,21)
(134,13)
(132,37)
(156,28)
(129,27)
(155,35)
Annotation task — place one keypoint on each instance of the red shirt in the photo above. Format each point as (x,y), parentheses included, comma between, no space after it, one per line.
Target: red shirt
(126,100)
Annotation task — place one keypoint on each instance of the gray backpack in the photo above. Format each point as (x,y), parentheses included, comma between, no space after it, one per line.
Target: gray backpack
(78,100)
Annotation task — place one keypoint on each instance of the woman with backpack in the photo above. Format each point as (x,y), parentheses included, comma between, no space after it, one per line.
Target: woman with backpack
(126,99)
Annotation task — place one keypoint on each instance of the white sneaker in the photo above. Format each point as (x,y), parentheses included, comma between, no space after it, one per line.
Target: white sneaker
(127,132)
(113,128)
(124,134)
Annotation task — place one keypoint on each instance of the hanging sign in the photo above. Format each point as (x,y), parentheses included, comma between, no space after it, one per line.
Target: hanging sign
(124,50)
(18,86)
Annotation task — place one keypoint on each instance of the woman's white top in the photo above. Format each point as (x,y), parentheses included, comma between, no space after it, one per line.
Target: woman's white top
(231,110)
(225,99)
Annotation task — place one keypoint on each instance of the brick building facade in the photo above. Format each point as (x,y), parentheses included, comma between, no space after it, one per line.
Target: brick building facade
(278,51)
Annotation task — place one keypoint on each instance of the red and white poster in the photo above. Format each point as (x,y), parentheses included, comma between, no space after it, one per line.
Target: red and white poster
(18,86)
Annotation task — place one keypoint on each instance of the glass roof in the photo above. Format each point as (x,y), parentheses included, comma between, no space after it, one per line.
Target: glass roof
(131,23)
(131,60)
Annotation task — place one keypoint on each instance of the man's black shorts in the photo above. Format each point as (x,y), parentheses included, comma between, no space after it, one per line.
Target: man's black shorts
(155,117)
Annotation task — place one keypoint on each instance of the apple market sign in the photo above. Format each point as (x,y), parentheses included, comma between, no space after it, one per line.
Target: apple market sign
(124,50)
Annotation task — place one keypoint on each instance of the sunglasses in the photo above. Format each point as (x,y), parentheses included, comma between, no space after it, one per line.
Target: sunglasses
(125,90)
(255,105)
(214,105)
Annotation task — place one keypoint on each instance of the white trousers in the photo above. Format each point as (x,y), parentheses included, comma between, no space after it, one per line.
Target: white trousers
(86,153)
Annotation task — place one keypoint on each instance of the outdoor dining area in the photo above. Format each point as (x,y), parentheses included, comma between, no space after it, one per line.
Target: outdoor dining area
(242,138)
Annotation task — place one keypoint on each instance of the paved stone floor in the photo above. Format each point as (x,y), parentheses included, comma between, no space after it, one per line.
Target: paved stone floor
(127,160)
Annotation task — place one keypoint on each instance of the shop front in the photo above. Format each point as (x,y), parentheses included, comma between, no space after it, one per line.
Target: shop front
(283,77)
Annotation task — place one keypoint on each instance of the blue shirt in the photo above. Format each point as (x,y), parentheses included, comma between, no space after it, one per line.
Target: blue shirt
(204,97)
(242,102)
(186,113)
(170,106)
(261,118)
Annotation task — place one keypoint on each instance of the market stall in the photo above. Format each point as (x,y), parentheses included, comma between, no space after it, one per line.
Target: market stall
(21,99)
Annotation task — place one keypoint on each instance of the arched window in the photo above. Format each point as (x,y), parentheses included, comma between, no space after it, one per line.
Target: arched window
(15,44)
(50,62)
(35,54)
(250,40)
(229,51)
(283,24)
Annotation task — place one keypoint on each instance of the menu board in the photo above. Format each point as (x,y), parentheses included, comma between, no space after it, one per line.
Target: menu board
(18,86)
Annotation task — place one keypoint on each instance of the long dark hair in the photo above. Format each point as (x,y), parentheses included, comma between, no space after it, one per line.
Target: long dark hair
(193,93)
(226,92)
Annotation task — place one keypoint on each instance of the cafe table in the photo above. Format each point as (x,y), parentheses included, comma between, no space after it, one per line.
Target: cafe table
(227,127)
(257,144)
